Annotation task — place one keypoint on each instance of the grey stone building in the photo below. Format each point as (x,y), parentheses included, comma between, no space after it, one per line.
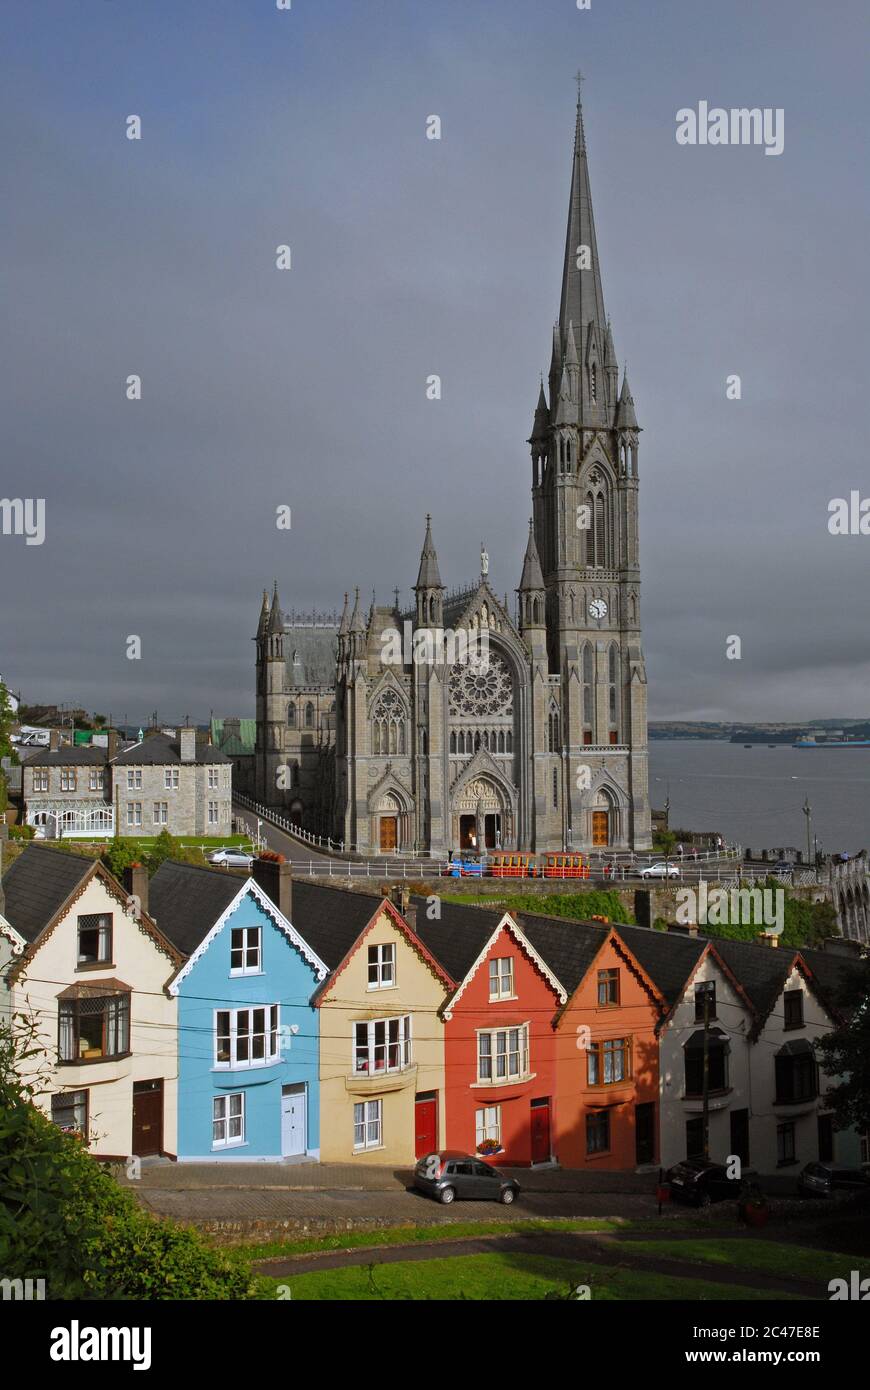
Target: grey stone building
(543,746)
(173,783)
(166,782)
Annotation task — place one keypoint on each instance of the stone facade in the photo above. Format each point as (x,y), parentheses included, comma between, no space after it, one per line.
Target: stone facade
(543,746)
(162,783)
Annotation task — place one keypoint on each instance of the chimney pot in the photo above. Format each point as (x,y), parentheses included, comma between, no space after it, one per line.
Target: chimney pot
(136,884)
(274,874)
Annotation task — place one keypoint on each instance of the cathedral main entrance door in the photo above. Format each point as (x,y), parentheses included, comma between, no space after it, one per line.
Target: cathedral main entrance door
(600,828)
(389,832)
(468,832)
(492,831)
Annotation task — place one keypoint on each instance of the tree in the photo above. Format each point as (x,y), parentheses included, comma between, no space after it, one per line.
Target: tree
(7,747)
(162,848)
(846,1053)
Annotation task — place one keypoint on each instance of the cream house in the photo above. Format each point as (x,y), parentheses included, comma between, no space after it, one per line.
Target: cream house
(382,1096)
(91,971)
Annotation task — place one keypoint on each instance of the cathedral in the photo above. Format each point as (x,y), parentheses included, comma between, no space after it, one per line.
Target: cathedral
(542,745)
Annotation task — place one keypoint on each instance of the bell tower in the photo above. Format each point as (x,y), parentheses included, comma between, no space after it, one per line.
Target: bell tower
(584,449)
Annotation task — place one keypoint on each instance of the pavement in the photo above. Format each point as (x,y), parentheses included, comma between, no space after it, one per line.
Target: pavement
(255,1198)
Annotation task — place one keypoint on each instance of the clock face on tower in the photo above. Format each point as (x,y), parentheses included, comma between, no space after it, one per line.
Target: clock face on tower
(598,609)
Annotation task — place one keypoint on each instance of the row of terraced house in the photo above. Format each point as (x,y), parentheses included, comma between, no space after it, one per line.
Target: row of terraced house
(206,1015)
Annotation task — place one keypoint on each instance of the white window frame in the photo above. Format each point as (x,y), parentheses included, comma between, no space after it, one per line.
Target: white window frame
(383,965)
(134,779)
(161,812)
(271,1036)
(252,940)
(366,1055)
(213,812)
(225,1101)
(370,1122)
(40,779)
(213,778)
(95,781)
(500,1042)
(67,779)
(134,815)
(487,1124)
(170,779)
(498,988)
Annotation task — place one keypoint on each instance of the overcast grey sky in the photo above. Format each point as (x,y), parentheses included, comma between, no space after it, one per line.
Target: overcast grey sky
(410,257)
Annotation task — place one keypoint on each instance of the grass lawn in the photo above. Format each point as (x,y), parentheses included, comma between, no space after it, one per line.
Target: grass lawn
(499,1277)
(765,1256)
(452,1230)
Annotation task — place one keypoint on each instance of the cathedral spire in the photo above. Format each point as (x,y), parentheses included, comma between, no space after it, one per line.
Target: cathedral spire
(343,625)
(276,617)
(582,298)
(625,416)
(429,576)
(263,624)
(531,577)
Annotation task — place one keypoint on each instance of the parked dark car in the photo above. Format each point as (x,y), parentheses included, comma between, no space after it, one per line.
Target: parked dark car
(700,1182)
(449,1175)
(822,1179)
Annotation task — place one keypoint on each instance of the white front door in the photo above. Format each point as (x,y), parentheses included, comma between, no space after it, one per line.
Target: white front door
(292,1120)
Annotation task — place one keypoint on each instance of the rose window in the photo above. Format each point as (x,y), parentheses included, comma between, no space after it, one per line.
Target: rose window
(477,690)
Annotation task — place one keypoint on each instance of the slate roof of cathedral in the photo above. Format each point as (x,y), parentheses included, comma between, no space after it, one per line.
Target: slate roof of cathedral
(310,655)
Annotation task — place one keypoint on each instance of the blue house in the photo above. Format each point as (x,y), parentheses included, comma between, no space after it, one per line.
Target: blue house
(248,1038)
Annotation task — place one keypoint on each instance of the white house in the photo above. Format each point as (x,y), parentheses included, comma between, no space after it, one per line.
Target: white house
(91,971)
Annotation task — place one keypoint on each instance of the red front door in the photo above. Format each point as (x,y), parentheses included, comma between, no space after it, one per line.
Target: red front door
(425,1124)
(540,1120)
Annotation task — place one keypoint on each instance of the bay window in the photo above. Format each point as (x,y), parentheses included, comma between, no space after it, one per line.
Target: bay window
(503,1054)
(247,1037)
(383,1044)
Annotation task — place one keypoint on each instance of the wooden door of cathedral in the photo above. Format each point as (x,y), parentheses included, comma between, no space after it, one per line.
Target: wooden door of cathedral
(600,828)
(389,832)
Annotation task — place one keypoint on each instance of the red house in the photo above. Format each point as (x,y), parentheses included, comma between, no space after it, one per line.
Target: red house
(499,1040)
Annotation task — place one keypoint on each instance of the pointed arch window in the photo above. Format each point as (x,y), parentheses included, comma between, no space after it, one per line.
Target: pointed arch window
(309,715)
(388,724)
(593,382)
(613,678)
(587,686)
(553,729)
(291,715)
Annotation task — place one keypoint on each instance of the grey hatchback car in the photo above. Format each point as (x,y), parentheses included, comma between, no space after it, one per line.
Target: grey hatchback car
(450,1174)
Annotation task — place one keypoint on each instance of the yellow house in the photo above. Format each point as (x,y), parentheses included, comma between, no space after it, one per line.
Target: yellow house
(381,1034)
(90,969)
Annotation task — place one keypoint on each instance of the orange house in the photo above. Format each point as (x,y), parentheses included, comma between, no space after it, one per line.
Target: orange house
(607,1072)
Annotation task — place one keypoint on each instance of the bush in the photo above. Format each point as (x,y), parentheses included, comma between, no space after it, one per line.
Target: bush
(64,1219)
(21,832)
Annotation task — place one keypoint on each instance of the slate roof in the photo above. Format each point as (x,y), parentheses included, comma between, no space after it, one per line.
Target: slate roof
(185,901)
(310,656)
(569,948)
(37,885)
(331,919)
(667,957)
(79,756)
(159,749)
(460,936)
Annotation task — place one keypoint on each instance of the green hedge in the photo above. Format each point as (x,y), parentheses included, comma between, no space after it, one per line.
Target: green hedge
(64,1219)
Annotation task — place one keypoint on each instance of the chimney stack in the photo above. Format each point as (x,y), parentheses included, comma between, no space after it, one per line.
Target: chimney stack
(400,897)
(274,874)
(136,884)
(187,744)
(53,740)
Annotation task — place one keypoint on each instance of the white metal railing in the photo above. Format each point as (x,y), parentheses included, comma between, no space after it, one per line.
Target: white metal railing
(290,827)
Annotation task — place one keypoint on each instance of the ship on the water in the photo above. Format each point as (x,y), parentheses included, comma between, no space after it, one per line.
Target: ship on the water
(831,743)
